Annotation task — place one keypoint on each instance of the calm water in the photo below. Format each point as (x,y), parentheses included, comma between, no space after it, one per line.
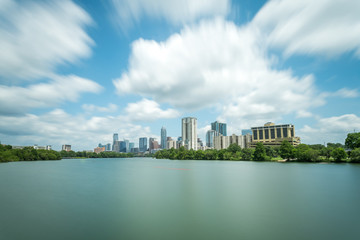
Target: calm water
(145,198)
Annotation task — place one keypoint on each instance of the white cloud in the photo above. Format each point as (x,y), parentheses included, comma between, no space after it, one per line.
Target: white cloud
(346,93)
(147,110)
(323,27)
(16,100)
(37,36)
(58,127)
(216,63)
(175,12)
(93,108)
(332,129)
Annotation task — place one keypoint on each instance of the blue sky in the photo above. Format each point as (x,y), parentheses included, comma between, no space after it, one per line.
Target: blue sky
(75,72)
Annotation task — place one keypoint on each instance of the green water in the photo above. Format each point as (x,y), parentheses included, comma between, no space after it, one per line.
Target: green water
(145,198)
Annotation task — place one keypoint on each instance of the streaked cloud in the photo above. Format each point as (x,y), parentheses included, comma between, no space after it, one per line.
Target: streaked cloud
(37,36)
(93,108)
(18,100)
(217,64)
(346,93)
(331,129)
(129,12)
(323,27)
(147,110)
(58,127)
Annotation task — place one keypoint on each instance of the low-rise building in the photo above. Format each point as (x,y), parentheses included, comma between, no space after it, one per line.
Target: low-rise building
(99,149)
(273,135)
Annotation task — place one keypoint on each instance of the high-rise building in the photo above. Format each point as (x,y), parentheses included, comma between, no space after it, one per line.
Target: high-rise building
(143,144)
(273,135)
(163,138)
(127,145)
(210,135)
(108,147)
(153,145)
(115,138)
(219,127)
(116,146)
(122,146)
(66,147)
(170,144)
(189,132)
(131,146)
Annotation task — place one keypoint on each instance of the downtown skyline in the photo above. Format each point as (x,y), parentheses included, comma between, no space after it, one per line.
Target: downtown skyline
(74,72)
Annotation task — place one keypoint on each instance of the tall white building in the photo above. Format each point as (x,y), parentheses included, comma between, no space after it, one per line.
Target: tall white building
(189,132)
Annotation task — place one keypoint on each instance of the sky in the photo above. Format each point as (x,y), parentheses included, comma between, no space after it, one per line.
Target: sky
(75,72)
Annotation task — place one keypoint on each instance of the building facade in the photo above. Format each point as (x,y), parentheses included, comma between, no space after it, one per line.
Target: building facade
(223,142)
(66,147)
(115,138)
(99,149)
(116,146)
(143,146)
(219,127)
(273,135)
(171,144)
(153,145)
(163,138)
(189,132)
(210,136)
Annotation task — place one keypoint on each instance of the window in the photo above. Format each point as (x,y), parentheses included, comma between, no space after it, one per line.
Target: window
(272,132)
(255,134)
(278,132)
(266,133)
(261,134)
(285,132)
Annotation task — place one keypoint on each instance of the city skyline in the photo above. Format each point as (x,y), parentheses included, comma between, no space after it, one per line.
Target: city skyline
(76,72)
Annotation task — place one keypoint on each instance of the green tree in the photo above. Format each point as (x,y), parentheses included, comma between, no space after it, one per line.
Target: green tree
(286,150)
(338,154)
(234,148)
(352,140)
(260,152)
(270,152)
(355,155)
(247,154)
(335,145)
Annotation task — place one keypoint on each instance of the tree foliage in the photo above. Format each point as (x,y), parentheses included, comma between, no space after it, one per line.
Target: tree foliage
(338,154)
(352,140)
(355,155)
(286,150)
(260,152)
(8,154)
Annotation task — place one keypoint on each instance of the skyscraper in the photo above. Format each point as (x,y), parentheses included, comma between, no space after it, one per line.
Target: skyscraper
(143,144)
(131,146)
(189,132)
(122,146)
(163,138)
(210,136)
(115,138)
(153,145)
(219,127)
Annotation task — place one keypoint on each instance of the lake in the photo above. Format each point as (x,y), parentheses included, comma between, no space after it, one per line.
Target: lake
(145,198)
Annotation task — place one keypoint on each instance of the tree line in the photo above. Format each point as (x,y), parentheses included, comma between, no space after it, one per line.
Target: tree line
(334,152)
(8,154)
(84,154)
